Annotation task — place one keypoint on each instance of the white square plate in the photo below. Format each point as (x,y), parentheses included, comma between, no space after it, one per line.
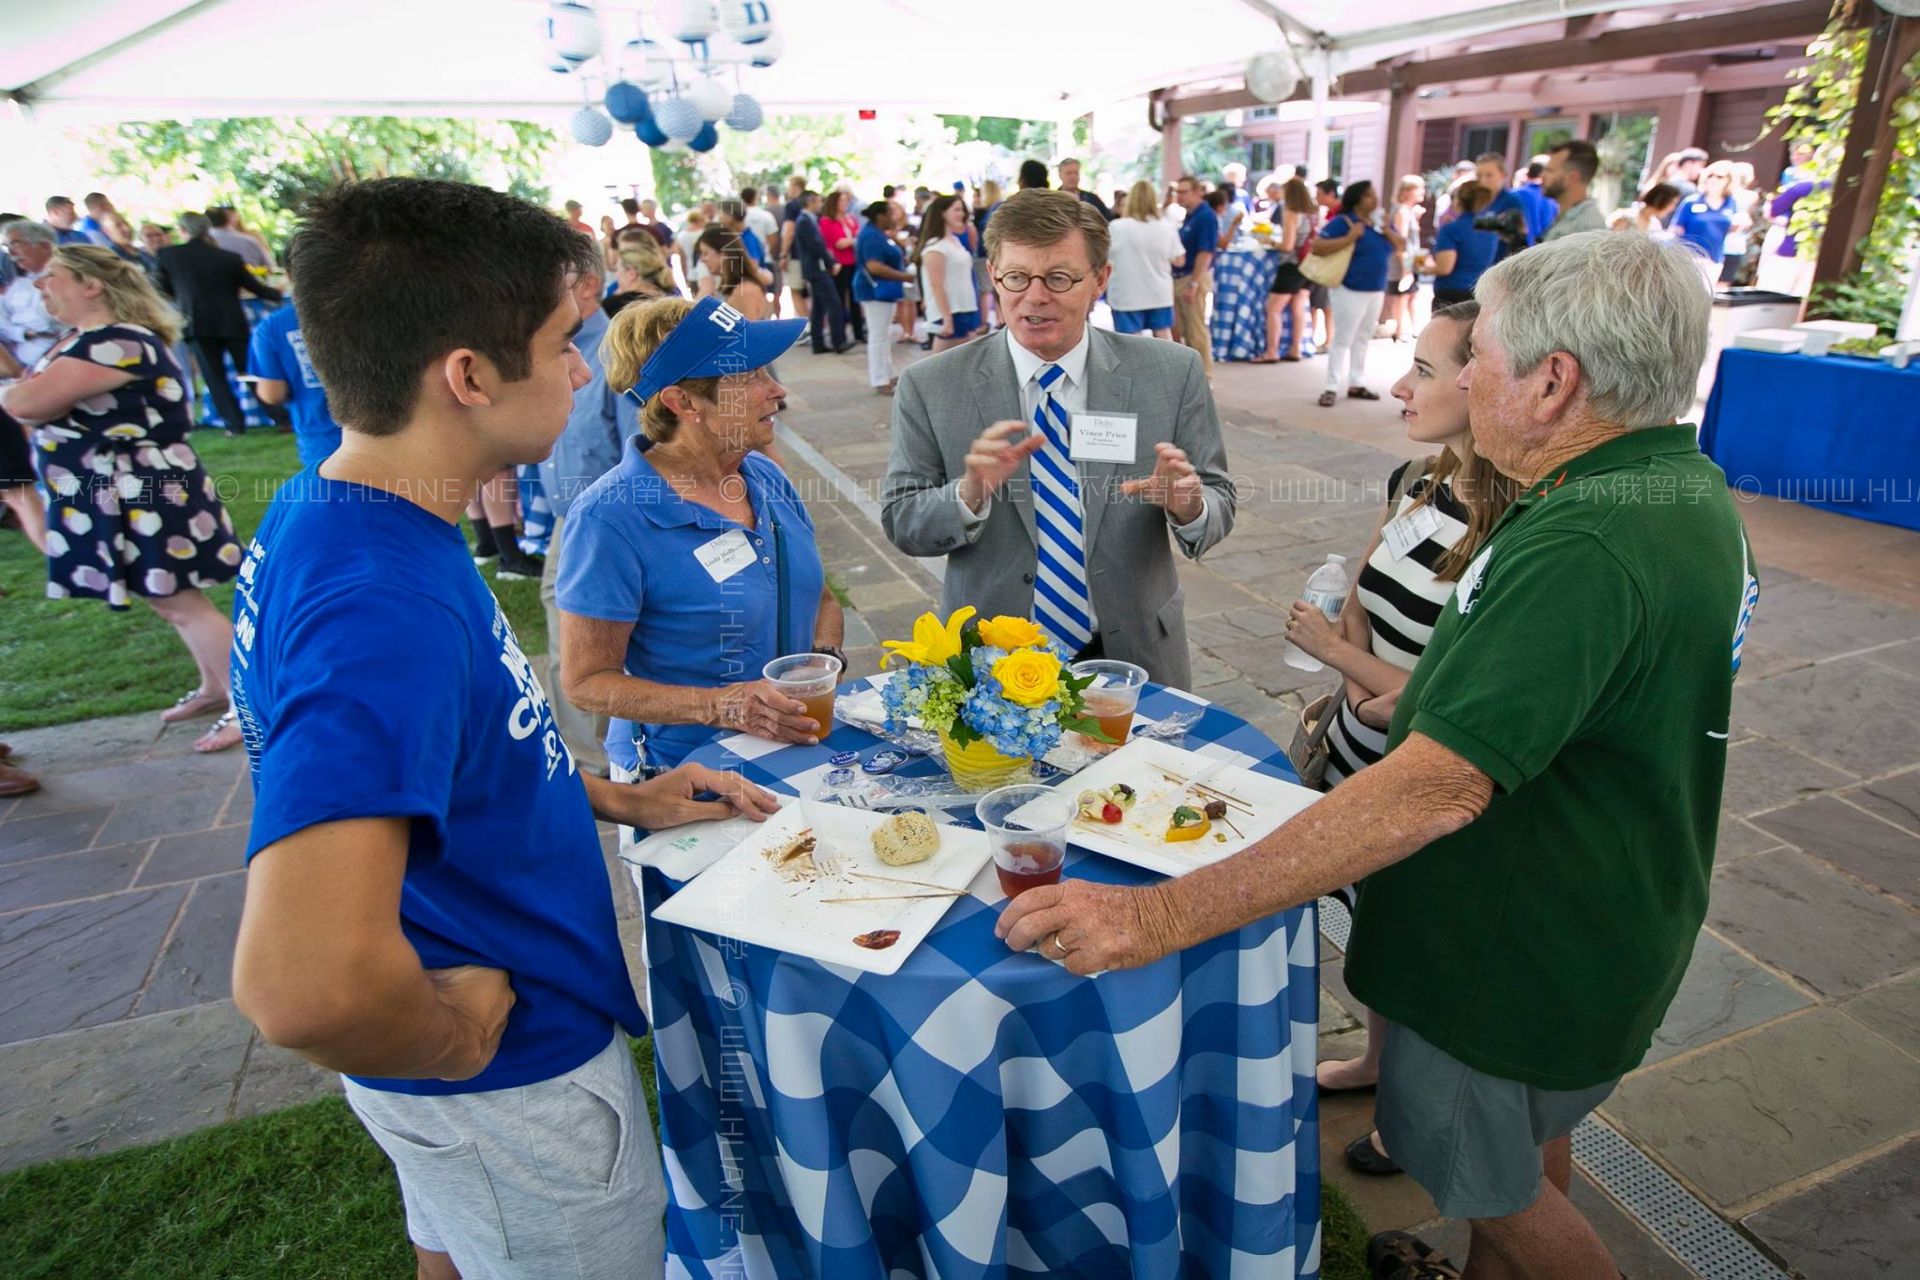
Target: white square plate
(1139,838)
(742,896)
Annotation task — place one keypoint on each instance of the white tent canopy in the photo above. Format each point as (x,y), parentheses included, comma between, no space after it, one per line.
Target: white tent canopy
(77,60)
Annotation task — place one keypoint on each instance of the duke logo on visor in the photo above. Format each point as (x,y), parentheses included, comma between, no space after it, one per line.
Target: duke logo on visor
(714,340)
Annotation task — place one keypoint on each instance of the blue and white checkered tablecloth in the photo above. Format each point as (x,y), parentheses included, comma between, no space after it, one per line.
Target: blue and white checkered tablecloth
(984,1113)
(252,411)
(1242,279)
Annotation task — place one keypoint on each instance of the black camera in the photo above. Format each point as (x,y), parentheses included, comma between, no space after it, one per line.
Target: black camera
(1509,224)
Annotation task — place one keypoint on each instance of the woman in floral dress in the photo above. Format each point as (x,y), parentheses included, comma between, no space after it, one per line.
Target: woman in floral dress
(133,513)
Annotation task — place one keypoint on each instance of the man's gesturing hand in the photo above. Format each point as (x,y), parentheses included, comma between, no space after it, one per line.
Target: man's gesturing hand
(1174,484)
(993,458)
(1098,926)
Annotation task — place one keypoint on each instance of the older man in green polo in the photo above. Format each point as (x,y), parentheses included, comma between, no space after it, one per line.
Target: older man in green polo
(1537,843)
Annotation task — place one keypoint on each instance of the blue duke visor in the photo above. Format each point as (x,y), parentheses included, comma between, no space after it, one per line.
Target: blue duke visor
(712,341)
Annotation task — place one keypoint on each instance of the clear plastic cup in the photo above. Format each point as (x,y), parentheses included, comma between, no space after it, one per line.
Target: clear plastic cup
(1112,698)
(1027,831)
(810,677)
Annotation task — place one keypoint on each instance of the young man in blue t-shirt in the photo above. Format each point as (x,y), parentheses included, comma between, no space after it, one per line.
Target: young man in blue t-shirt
(428,910)
(277,355)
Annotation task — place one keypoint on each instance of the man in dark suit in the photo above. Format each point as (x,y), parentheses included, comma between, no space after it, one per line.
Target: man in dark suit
(817,267)
(204,281)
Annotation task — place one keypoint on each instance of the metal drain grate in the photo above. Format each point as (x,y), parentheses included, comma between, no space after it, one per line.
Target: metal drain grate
(1695,1234)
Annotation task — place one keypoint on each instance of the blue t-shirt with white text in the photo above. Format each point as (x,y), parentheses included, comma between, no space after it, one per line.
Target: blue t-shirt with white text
(375,676)
(1705,224)
(278,351)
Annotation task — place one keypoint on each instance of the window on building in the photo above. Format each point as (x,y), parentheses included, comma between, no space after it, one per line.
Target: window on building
(1259,158)
(1478,139)
(1544,135)
(1337,158)
(1262,113)
(1624,140)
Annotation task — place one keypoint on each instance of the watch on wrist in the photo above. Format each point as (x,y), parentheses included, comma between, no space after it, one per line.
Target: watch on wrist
(833,651)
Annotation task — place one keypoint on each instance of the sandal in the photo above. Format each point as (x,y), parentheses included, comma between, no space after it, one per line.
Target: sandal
(1292,359)
(1400,1255)
(196,702)
(1364,1157)
(1327,399)
(1361,393)
(1264,360)
(223,735)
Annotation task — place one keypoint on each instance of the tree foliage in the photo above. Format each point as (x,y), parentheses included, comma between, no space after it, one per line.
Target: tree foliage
(267,168)
(1207,144)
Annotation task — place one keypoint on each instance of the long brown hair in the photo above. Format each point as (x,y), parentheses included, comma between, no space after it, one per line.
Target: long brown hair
(933,225)
(124,288)
(1483,491)
(733,257)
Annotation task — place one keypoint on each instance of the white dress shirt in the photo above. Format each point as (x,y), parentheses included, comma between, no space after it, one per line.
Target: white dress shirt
(25,326)
(1071,394)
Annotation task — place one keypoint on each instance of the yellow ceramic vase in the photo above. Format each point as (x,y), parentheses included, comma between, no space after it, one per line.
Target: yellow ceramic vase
(981,766)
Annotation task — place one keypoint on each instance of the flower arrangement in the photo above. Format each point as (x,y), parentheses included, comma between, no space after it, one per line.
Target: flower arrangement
(998,681)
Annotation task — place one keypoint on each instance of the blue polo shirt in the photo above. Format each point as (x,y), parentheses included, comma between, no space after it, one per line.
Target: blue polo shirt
(590,446)
(751,242)
(875,245)
(278,351)
(1701,222)
(1367,269)
(1513,200)
(375,676)
(632,552)
(1474,251)
(1541,208)
(1200,233)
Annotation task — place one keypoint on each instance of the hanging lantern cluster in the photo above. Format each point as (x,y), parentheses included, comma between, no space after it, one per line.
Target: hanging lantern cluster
(672,90)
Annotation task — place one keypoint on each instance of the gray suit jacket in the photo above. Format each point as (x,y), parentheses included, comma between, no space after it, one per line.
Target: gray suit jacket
(944,403)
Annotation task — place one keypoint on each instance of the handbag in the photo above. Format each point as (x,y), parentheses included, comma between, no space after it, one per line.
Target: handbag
(1308,753)
(1327,268)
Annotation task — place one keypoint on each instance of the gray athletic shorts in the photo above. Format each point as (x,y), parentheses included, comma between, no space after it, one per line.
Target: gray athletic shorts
(558,1180)
(1470,1139)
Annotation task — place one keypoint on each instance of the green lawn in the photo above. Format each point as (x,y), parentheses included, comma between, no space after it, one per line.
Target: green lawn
(65,660)
(297,1194)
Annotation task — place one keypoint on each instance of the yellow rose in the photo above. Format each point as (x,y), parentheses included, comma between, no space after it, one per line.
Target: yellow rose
(1028,677)
(1011,633)
(933,642)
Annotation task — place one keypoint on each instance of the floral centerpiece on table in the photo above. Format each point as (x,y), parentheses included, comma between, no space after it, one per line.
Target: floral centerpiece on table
(996,690)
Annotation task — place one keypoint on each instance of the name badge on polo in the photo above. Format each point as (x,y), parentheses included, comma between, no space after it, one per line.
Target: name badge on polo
(725,555)
(1105,437)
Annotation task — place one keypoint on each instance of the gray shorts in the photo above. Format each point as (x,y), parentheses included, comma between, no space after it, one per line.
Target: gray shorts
(558,1180)
(1470,1139)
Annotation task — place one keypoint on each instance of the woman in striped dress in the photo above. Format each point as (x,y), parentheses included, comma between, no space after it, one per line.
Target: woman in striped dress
(1440,513)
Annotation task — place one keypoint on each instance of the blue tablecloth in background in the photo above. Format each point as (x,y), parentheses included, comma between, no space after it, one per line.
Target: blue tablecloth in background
(981,1113)
(1242,279)
(1828,431)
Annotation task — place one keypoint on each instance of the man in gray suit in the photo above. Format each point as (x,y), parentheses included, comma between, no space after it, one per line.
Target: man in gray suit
(1049,463)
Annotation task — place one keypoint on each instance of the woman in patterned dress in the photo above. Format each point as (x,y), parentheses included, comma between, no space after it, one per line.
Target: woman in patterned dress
(133,513)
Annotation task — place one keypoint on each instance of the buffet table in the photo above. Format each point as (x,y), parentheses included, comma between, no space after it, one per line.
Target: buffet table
(1242,279)
(1834,432)
(985,1113)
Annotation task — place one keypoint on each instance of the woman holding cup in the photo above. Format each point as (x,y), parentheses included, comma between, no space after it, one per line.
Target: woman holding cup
(691,566)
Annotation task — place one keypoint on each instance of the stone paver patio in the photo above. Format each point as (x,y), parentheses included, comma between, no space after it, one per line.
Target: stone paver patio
(1784,1089)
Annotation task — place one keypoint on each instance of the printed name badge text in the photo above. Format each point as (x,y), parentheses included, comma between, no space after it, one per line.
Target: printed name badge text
(1105,437)
(1405,532)
(725,556)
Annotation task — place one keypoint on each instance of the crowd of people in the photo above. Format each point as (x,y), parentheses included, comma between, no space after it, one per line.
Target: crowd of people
(435,923)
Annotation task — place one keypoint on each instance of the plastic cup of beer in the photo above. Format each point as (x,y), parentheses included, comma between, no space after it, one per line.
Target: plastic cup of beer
(811,678)
(1027,831)
(1112,697)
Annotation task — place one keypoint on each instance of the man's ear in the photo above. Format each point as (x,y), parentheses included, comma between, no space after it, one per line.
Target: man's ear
(1560,385)
(468,376)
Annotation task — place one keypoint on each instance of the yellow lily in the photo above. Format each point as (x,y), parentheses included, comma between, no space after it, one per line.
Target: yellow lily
(933,642)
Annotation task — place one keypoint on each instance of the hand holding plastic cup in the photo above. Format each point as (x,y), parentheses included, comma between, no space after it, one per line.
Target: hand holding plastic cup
(1112,698)
(809,678)
(1027,831)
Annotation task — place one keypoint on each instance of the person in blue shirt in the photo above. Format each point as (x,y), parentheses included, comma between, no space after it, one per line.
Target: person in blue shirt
(880,276)
(63,218)
(1705,218)
(1541,209)
(1355,302)
(692,564)
(1491,171)
(1461,253)
(277,355)
(427,905)
(1193,278)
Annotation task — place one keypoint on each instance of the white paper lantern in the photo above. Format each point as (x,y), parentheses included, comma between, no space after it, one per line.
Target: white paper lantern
(746,21)
(689,21)
(590,128)
(647,63)
(678,119)
(766,51)
(572,31)
(745,115)
(1272,77)
(711,98)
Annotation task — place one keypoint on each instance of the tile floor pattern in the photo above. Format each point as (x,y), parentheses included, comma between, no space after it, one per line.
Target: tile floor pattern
(1784,1088)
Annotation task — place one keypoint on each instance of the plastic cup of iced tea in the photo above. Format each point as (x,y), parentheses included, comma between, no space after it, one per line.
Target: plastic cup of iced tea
(1112,698)
(811,678)
(1027,830)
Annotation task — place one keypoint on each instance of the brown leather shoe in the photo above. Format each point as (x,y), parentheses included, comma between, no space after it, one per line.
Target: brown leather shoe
(16,782)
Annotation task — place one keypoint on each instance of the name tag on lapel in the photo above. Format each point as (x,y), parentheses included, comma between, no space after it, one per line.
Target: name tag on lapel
(725,556)
(1105,437)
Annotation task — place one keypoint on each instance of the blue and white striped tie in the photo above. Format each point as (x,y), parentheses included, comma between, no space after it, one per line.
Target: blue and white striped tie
(1060,602)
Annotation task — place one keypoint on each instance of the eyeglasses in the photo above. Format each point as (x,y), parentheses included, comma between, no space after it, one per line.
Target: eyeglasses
(1056,281)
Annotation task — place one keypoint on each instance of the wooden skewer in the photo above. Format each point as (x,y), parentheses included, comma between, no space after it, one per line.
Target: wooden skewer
(1215,792)
(895,897)
(1237,831)
(918,884)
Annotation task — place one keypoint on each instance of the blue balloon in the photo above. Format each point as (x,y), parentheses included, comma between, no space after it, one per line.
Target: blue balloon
(627,103)
(649,132)
(706,140)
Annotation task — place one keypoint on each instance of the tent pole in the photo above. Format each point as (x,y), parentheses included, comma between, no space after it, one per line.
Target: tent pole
(133,38)
(1319,77)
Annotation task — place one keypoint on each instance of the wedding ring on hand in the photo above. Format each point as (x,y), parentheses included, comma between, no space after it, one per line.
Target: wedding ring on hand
(1060,947)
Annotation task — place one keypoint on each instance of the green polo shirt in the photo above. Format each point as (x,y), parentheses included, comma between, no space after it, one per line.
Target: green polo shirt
(1585,664)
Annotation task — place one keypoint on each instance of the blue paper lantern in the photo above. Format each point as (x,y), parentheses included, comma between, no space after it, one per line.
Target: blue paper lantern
(766,51)
(572,31)
(650,132)
(626,102)
(679,118)
(706,140)
(746,115)
(746,21)
(590,128)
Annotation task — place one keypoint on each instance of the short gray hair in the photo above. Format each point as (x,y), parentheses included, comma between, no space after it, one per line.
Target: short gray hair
(1631,310)
(33,232)
(195,225)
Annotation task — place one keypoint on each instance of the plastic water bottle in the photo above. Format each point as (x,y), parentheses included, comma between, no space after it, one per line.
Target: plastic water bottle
(1327,592)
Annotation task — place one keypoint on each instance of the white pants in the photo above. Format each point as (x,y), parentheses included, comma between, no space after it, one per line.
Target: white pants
(879,341)
(1353,315)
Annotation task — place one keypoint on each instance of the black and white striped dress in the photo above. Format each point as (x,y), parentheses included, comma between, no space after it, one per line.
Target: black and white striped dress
(1403,600)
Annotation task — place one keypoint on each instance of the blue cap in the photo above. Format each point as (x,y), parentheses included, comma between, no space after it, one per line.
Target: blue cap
(712,341)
